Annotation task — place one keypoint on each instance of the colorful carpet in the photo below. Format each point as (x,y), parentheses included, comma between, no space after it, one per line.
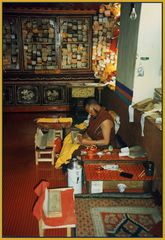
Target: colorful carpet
(124,221)
(115,217)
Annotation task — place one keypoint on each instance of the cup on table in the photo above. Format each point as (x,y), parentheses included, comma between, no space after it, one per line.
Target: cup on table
(121,187)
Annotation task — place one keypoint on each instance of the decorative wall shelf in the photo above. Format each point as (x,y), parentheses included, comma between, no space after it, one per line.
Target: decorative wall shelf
(47,45)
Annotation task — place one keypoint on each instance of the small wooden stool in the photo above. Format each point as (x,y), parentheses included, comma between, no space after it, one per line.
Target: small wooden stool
(54,200)
(57,209)
(42,227)
(45,155)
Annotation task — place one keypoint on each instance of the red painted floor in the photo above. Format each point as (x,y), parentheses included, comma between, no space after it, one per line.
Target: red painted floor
(20,176)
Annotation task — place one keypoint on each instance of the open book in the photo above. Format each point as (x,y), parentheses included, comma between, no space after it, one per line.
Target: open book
(74,134)
(54,203)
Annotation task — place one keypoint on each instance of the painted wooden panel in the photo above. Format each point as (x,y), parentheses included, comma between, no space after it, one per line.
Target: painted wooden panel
(54,95)
(27,94)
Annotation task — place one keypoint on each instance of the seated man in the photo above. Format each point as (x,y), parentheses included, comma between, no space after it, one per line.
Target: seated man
(100,132)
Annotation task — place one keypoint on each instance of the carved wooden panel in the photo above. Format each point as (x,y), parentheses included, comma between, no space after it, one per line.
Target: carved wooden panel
(8,95)
(54,95)
(83,92)
(27,94)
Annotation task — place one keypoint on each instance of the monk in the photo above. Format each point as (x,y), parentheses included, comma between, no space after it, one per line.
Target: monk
(101,129)
(100,132)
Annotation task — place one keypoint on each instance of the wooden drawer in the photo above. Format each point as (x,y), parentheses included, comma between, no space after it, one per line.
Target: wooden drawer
(54,95)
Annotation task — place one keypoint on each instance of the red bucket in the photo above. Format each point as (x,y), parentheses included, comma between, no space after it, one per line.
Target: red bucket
(58,144)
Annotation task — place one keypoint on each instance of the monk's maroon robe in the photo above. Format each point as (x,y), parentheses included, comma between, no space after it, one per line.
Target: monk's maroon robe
(94,130)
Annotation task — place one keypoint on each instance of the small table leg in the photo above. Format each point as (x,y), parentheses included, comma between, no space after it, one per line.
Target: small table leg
(41,230)
(69,232)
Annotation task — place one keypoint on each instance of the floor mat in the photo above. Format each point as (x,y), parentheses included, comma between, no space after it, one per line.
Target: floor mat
(124,221)
(90,220)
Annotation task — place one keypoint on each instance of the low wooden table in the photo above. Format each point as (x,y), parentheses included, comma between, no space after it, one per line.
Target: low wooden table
(108,180)
(46,123)
(108,158)
(54,124)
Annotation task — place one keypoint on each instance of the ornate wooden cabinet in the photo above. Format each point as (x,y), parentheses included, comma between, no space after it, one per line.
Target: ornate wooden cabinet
(42,55)
(57,43)
(47,45)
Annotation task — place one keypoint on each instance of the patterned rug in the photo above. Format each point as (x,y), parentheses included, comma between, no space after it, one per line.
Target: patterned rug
(115,217)
(124,221)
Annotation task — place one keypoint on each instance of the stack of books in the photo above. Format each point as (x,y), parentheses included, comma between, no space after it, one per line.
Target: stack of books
(158,95)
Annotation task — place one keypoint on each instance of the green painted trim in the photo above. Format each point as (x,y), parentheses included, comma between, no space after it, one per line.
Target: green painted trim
(123,98)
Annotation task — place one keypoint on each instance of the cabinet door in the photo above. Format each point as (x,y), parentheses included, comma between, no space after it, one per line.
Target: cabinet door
(54,95)
(11,43)
(39,44)
(75,41)
(27,94)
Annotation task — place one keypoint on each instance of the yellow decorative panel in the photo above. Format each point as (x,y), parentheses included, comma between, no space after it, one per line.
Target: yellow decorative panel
(83,92)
